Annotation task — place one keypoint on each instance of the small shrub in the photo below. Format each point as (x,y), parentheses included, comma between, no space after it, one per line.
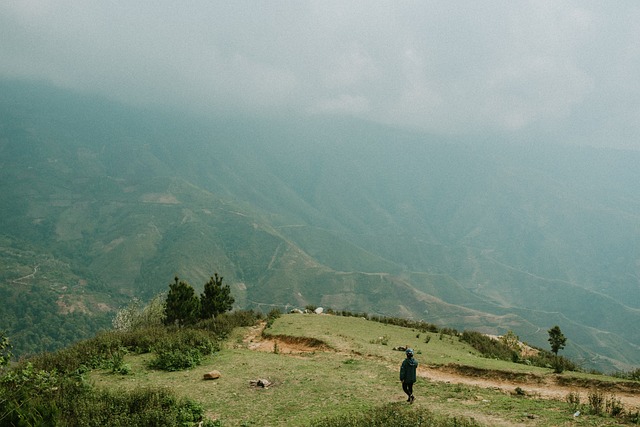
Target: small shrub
(272,316)
(183,349)
(613,406)
(558,365)
(139,407)
(487,346)
(91,353)
(117,365)
(398,321)
(383,340)
(546,359)
(573,399)
(596,402)
(222,325)
(450,331)
(394,415)
(175,358)
(135,315)
(143,340)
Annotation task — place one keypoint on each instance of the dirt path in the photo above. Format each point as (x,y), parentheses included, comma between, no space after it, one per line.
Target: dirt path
(544,388)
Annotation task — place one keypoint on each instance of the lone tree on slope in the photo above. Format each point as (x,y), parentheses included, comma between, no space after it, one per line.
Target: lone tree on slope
(216,298)
(557,341)
(182,305)
(5,350)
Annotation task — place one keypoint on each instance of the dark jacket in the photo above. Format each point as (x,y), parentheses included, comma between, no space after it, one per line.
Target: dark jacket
(408,370)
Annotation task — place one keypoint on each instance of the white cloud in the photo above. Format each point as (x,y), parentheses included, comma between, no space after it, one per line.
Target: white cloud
(491,66)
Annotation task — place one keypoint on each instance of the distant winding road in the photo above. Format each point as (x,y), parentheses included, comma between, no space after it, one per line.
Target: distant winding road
(28,276)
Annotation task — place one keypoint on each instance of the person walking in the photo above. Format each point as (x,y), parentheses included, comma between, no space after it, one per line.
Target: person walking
(408,374)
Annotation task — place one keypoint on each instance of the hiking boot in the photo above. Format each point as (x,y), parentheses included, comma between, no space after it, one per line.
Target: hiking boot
(411,399)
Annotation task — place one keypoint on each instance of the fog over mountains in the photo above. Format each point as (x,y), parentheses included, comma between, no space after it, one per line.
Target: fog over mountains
(102,202)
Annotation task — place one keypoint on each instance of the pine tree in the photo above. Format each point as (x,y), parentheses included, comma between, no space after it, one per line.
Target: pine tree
(557,341)
(216,298)
(182,305)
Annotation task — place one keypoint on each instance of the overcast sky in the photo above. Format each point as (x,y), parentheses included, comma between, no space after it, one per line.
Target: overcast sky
(568,69)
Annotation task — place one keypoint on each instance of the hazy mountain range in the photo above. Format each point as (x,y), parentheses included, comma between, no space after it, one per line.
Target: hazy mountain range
(102,202)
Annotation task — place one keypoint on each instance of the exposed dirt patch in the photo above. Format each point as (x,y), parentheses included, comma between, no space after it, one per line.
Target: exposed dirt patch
(67,306)
(283,344)
(161,198)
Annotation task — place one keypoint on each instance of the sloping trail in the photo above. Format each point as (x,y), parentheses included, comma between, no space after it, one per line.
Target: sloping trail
(534,386)
(540,387)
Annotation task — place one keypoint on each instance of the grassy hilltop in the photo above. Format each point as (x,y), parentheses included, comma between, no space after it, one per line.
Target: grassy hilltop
(322,370)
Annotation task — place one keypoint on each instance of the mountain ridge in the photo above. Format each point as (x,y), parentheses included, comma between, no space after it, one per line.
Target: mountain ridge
(130,198)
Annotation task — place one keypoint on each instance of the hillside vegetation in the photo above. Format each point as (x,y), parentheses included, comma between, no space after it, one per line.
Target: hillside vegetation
(101,203)
(317,370)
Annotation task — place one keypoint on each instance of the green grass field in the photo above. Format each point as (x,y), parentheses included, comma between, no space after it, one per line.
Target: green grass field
(357,372)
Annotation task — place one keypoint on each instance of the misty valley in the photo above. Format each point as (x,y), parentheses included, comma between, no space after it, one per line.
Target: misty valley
(103,203)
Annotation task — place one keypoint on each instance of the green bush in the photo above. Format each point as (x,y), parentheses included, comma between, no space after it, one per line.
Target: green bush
(175,358)
(31,397)
(140,407)
(633,375)
(77,358)
(487,346)
(34,397)
(98,351)
(49,389)
(497,349)
(573,399)
(143,340)
(5,350)
(222,325)
(613,406)
(135,315)
(394,415)
(183,349)
(272,316)
(117,365)
(398,321)
(546,359)
(596,402)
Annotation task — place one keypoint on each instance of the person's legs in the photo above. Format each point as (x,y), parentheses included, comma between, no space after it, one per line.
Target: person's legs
(406,387)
